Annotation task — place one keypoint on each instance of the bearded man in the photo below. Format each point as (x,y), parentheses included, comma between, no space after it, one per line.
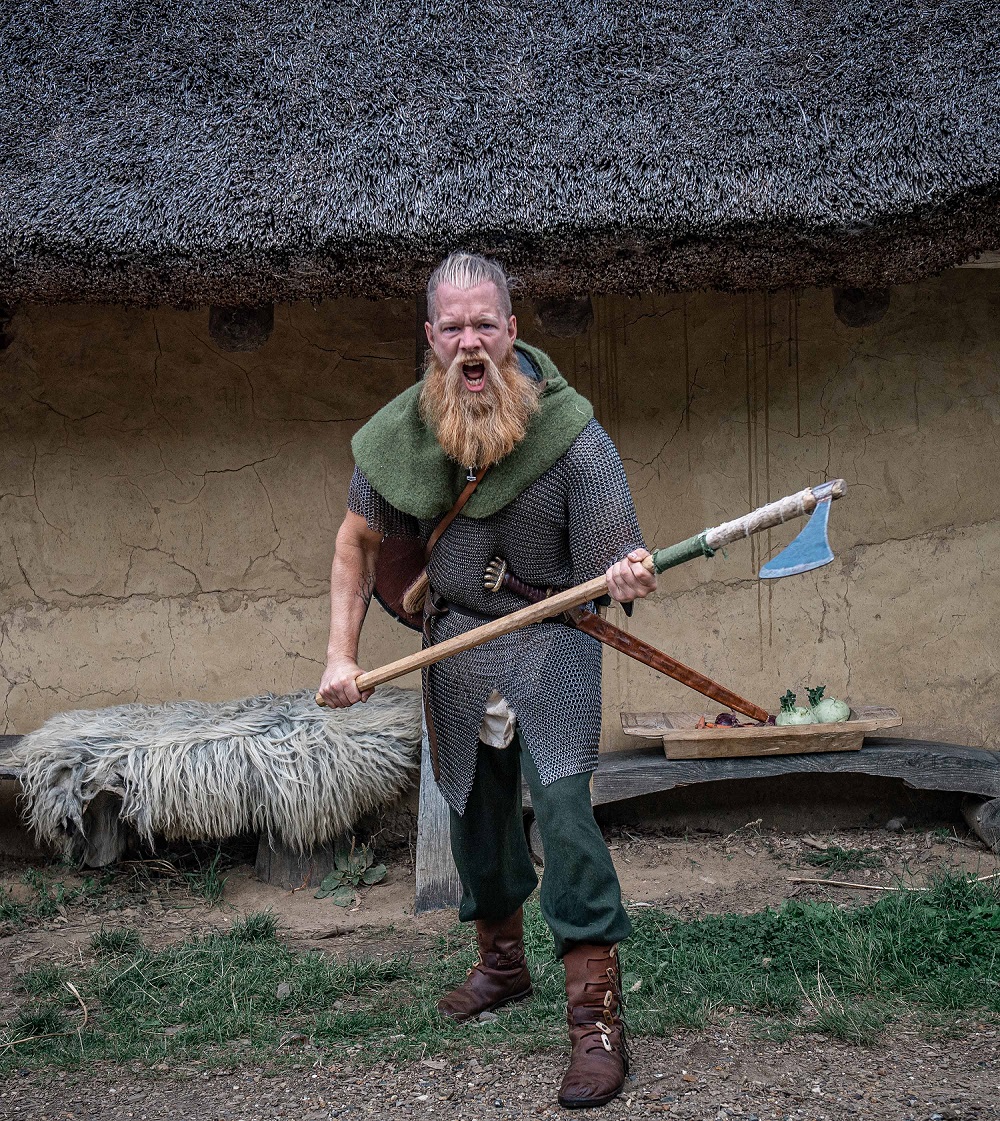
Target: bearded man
(555,504)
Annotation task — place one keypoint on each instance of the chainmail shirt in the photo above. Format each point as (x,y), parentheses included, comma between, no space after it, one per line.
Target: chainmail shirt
(570,525)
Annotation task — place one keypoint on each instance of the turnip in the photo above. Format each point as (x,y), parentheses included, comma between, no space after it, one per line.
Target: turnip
(827,710)
(792,714)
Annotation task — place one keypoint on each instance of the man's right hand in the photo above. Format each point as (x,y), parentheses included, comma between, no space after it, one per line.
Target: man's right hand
(338,686)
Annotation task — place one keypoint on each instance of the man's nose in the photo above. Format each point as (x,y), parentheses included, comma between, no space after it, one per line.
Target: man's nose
(470,339)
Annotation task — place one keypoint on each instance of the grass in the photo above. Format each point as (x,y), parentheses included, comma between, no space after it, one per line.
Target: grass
(182,878)
(205,879)
(837,859)
(44,979)
(120,940)
(47,897)
(245,996)
(197,869)
(260,926)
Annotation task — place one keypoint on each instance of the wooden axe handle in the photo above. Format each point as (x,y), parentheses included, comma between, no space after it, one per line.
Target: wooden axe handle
(774,513)
(703,544)
(506,624)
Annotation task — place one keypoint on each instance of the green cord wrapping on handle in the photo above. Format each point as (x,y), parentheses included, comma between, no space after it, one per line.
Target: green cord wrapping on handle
(673,555)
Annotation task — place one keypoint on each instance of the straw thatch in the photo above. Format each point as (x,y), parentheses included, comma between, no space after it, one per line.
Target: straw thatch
(243,151)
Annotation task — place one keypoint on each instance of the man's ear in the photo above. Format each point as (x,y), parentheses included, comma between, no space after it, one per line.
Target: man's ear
(429,332)
(512,328)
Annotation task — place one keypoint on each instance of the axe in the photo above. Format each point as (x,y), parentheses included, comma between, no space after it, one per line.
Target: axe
(811,549)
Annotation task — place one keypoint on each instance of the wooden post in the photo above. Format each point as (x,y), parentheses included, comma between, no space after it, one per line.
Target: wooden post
(982,815)
(106,834)
(284,866)
(438,885)
(535,845)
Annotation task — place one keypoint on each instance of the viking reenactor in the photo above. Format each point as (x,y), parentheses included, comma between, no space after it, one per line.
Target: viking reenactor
(494,430)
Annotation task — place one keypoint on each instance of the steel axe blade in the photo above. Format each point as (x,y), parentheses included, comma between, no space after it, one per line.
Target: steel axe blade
(811,549)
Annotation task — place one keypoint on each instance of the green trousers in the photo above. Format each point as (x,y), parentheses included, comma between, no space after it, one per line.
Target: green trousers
(580,898)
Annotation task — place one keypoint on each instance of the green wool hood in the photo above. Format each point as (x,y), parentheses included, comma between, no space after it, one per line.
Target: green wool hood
(404,462)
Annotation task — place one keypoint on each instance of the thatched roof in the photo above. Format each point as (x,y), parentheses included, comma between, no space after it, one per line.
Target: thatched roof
(242,151)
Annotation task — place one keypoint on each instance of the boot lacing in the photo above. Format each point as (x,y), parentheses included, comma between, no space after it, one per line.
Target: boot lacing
(611,1019)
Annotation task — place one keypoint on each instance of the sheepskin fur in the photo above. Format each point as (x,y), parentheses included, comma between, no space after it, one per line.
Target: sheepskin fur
(197,770)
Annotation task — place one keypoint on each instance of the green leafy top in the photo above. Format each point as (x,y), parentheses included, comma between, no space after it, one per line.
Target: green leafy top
(816,695)
(353,867)
(788,702)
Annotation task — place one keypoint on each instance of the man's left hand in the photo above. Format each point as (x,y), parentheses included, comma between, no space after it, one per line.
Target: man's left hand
(628,580)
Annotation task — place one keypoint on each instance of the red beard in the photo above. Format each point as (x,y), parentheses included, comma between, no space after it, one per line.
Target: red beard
(478,429)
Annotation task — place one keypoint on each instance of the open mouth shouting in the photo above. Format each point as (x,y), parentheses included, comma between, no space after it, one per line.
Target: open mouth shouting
(474,376)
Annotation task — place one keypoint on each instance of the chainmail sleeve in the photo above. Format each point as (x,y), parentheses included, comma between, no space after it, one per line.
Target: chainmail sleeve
(603,526)
(364,499)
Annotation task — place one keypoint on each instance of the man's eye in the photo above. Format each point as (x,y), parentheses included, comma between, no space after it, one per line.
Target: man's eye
(448,330)
(487,326)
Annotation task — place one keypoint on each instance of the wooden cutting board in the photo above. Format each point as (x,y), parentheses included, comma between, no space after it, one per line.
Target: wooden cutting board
(683,740)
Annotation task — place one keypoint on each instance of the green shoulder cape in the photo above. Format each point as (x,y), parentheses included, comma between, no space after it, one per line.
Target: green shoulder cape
(404,462)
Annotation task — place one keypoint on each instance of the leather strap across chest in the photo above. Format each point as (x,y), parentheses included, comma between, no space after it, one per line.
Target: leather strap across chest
(453,513)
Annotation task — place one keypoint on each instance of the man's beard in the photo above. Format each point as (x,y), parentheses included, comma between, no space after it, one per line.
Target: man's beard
(478,429)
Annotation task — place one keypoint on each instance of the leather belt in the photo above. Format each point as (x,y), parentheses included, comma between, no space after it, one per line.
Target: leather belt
(441,607)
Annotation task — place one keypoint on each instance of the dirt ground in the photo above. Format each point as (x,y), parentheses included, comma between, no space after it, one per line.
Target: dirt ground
(718,1073)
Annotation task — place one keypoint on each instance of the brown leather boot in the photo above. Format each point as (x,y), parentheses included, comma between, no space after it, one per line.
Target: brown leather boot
(499,977)
(599,1062)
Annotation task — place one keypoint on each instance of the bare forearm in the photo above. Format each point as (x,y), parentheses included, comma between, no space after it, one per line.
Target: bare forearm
(352,581)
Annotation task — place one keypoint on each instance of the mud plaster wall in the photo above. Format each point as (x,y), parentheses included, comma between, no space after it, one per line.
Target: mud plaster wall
(169,509)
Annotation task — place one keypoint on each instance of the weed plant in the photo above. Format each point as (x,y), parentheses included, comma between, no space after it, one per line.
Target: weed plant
(837,859)
(119,940)
(244,994)
(48,897)
(179,879)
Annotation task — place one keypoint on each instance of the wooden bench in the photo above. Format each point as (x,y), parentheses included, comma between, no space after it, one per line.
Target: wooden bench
(107,834)
(922,764)
(108,837)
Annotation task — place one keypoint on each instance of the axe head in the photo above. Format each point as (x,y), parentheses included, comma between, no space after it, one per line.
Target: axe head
(811,549)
